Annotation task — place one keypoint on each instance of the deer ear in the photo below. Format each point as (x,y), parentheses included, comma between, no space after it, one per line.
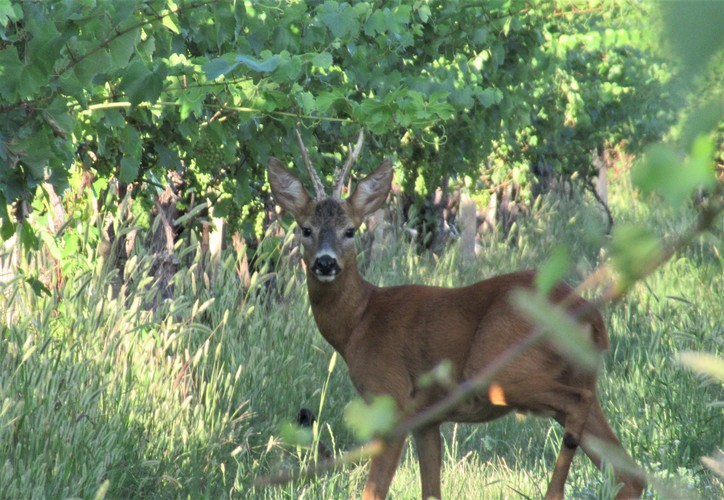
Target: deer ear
(372,191)
(288,191)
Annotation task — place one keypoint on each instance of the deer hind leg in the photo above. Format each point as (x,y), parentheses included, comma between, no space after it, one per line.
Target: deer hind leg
(569,405)
(429,453)
(597,426)
(382,470)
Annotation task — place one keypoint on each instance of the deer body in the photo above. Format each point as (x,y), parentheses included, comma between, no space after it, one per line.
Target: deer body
(391,336)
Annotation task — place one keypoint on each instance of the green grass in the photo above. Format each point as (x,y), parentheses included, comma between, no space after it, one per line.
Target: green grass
(107,396)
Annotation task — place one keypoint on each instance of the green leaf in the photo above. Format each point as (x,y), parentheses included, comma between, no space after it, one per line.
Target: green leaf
(191,100)
(306,101)
(664,172)
(170,23)
(28,238)
(489,97)
(553,270)
(340,19)
(92,63)
(322,60)
(7,227)
(10,69)
(35,151)
(326,100)
(51,244)
(370,420)
(141,84)
(8,12)
(122,48)
(129,169)
(633,250)
(564,332)
(294,435)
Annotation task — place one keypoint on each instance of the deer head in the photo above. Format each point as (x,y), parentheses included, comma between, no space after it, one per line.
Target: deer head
(328,223)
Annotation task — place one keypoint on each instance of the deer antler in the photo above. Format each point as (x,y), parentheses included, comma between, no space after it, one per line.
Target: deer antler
(318,186)
(353,154)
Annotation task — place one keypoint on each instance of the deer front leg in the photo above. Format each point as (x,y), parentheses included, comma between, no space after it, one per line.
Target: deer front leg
(429,454)
(382,470)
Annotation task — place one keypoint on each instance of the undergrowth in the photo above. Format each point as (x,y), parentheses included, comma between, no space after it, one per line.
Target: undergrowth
(126,395)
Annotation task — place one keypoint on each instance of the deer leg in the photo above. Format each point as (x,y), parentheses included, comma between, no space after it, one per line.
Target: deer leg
(429,454)
(382,470)
(569,405)
(597,426)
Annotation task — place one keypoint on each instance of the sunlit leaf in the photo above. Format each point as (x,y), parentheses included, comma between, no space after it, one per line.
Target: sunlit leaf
(633,249)
(553,270)
(294,435)
(370,420)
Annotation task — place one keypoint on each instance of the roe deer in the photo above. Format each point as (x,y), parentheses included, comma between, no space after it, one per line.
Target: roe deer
(391,336)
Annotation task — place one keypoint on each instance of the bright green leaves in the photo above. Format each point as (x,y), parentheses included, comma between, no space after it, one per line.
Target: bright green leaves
(663,171)
(634,249)
(668,172)
(294,435)
(374,419)
(403,107)
(9,11)
(553,270)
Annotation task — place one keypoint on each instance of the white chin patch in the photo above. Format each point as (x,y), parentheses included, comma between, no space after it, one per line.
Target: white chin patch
(325,278)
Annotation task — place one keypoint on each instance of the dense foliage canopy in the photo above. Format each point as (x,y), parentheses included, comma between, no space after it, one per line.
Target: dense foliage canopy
(483,92)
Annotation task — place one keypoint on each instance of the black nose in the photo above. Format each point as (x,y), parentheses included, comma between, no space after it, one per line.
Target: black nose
(326,266)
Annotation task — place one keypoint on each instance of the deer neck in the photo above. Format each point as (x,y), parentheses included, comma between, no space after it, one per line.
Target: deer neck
(338,306)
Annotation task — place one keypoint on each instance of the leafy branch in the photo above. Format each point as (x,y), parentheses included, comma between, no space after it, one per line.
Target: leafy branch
(220,107)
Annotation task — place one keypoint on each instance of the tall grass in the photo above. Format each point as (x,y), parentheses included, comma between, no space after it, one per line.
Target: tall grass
(129,396)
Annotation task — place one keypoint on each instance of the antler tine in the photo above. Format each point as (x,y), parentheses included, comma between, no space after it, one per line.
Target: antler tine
(318,186)
(353,154)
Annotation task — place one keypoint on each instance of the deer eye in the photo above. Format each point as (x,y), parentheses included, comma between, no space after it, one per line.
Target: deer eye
(349,233)
(306,232)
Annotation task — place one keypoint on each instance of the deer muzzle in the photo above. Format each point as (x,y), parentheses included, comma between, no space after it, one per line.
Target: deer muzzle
(325,268)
